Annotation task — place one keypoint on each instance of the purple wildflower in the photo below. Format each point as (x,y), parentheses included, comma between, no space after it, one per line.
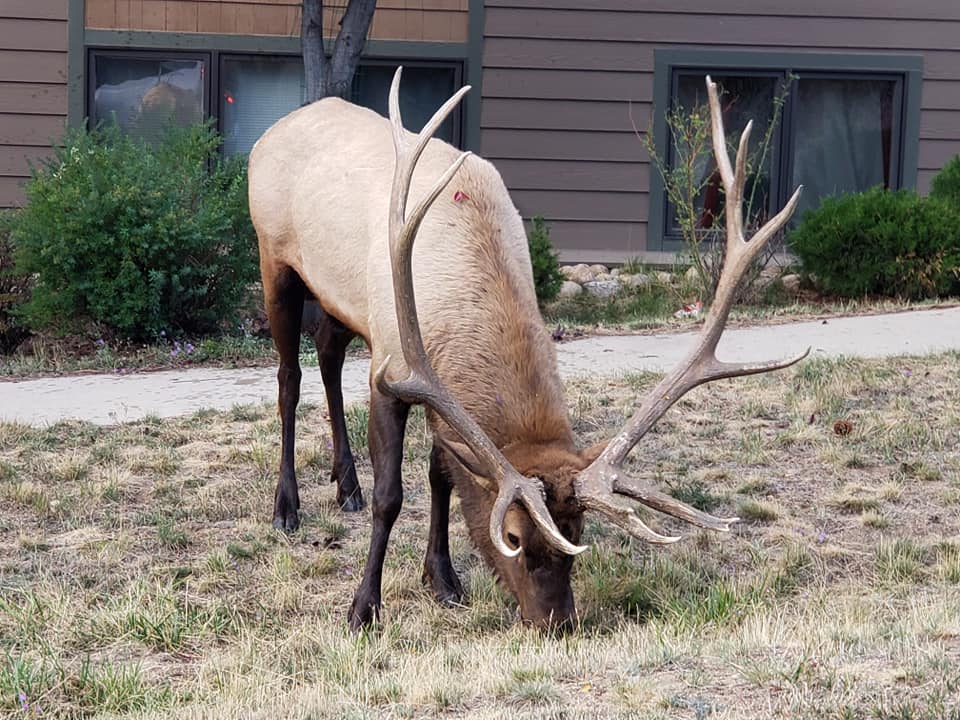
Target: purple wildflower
(907,372)
(189,348)
(24,705)
(101,343)
(821,537)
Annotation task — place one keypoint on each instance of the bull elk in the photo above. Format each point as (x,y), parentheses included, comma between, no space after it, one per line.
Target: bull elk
(453,323)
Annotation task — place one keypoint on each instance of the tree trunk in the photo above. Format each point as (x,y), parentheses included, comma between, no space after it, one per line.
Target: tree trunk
(311,45)
(334,77)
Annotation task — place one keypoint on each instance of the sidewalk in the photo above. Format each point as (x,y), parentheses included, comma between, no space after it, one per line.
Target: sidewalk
(109,399)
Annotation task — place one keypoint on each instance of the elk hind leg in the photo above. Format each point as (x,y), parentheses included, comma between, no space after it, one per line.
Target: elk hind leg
(283,297)
(388,419)
(331,338)
(438,572)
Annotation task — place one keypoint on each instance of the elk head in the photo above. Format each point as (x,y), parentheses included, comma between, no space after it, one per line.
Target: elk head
(533,497)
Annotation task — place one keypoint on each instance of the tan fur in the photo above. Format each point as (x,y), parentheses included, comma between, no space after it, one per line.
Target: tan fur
(324,214)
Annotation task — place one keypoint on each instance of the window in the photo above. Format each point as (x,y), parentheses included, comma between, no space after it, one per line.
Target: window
(144,91)
(848,123)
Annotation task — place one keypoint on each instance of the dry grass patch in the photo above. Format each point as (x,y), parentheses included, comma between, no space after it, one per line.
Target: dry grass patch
(139,575)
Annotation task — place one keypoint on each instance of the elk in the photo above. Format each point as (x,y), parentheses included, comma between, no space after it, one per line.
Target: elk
(452,322)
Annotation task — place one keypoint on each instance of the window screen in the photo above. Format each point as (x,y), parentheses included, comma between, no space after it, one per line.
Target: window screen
(255,93)
(145,94)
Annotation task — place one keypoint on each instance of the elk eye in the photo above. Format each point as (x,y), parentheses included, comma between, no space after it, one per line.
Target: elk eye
(513,541)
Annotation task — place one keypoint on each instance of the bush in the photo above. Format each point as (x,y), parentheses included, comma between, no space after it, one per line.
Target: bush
(946,183)
(881,243)
(14,289)
(136,237)
(546,269)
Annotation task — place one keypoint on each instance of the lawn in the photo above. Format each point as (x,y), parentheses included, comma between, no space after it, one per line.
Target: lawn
(139,575)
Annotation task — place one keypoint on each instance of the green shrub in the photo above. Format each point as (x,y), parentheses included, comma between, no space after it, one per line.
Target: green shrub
(881,243)
(136,237)
(14,289)
(546,269)
(946,183)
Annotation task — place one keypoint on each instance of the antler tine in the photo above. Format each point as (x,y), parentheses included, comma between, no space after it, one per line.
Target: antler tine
(422,384)
(603,479)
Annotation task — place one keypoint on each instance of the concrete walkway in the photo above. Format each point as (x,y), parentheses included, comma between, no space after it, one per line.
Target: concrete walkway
(109,399)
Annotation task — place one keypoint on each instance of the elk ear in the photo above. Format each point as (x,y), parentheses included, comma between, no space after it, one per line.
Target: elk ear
(588,455)
(462,453)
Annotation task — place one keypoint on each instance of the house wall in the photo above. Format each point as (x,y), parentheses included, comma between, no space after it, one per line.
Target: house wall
(422,20)
(566,90)
(38,89)
(33,87)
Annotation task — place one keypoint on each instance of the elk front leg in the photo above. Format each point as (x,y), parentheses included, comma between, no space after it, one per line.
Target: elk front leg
(385,431)
(331,338)
(438,572)
(283,295)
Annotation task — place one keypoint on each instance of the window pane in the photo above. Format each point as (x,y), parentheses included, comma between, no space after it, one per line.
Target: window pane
(146,94)
(256,92)
(842,137)
(422,90)
(743,98)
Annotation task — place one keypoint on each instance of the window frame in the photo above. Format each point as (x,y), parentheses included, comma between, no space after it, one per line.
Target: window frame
(907,69)
(124,54)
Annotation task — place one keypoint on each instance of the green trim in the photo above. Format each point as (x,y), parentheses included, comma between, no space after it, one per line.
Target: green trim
(148,40)
(910,67)
(76,63)
(474,74)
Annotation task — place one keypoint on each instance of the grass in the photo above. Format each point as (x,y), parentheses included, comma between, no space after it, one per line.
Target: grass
(140,578)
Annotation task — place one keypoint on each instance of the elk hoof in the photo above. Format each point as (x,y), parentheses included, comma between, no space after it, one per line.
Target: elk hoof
(286,521)
(349,496)
(364,614)
(444,584)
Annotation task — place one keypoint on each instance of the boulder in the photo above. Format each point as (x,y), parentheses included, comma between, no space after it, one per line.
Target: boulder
(598,269)
(579,273)
(570,289)
(602,288)
(638,280)
(791,283)
(664,278)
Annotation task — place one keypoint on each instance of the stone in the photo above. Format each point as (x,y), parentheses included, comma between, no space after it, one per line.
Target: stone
(570,289)
(691,274)
(638,280)
(791,283)
(604,276)
(664,278)
(580,274)
(615,272)
(602,288)
(597,269)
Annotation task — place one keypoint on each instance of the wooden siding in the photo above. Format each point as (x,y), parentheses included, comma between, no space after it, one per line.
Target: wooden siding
(421,20)
(566,90)
(33,88)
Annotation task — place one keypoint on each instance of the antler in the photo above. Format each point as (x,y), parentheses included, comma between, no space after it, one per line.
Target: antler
(422,384)
(599,486)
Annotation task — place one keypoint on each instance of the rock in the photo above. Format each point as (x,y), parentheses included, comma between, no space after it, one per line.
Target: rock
(570,289)
(791,283)
(664,278)
(565,270)
(604,276)
(597,269)
(580,274)
(638,280)
(691,274)
(602,288)
(616,272)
